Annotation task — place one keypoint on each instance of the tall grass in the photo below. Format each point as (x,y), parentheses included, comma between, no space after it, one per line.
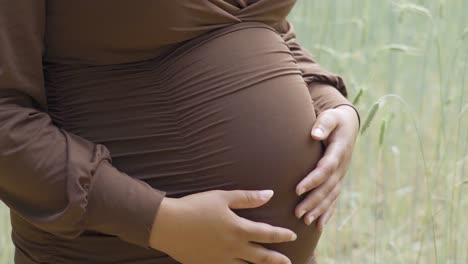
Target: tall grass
(405,63)
(6,249)
(406,66)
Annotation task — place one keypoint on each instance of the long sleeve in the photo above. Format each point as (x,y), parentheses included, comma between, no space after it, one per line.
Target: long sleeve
(56,180)
(327,89)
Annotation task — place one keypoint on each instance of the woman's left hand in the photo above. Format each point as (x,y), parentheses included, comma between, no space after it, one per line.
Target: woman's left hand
(338,128)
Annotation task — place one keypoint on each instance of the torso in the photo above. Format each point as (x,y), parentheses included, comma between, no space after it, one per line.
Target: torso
(189,96)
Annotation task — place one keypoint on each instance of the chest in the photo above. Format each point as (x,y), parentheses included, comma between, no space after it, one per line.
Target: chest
(109,31)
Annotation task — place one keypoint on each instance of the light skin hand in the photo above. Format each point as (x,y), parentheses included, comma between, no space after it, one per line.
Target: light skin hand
(201,228)
(338,129)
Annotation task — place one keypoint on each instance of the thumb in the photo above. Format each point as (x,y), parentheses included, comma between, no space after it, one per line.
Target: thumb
(239,199)
(326,122)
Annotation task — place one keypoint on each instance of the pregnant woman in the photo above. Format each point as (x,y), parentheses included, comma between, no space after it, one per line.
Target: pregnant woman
(156,131)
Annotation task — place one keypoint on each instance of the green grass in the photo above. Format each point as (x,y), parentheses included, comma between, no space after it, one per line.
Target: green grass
(404,200)
(6,247)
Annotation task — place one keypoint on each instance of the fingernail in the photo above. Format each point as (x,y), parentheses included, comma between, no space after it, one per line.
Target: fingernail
(293,237)
(311,219)
(318,132)
(266,194)
(302,213)
(301,191)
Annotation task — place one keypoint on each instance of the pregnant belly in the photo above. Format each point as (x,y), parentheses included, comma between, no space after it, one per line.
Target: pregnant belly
(226,110)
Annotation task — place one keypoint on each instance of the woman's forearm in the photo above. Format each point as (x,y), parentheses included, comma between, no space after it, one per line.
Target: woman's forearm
(57,181)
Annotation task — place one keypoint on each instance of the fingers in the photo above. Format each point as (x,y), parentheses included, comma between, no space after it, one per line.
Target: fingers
(239,199)
(323,219)
(255,253)
(327,165)
(323,206)
(317,196)
(264,233)
(325,124)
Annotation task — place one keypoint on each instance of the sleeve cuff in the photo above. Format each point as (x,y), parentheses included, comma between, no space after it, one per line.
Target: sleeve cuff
(326,97)
(122,206)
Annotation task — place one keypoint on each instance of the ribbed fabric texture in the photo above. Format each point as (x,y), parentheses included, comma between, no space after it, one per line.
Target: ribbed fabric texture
(228,110)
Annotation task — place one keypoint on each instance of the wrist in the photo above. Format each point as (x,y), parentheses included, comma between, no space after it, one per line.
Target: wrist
(163,224)
(352,112)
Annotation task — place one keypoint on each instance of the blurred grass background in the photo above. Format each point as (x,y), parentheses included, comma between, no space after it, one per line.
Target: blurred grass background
(405,62)
(406,66)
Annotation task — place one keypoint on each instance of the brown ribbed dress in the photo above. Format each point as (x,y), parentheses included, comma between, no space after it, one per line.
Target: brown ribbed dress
(108,106)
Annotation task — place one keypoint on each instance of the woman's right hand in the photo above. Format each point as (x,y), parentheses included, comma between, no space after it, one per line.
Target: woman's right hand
(201,228)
